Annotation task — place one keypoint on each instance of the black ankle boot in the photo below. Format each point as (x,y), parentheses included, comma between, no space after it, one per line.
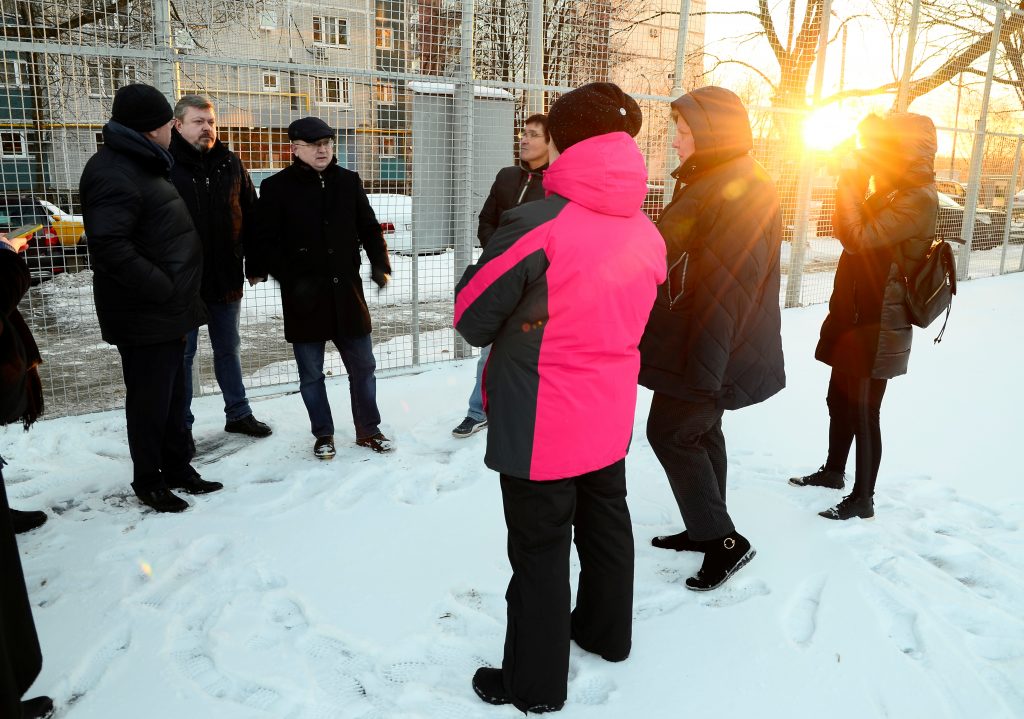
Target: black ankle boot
(489,685)
(679,542)
(722,558)
(37,708)
(831,478)
(850,507)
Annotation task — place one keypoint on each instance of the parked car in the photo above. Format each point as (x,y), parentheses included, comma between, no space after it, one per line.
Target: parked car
(43,254)
(69,228)
(989,225)
(954,189)
(394,213)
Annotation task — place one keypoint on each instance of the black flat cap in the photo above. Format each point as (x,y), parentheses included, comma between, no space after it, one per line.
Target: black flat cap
(309,129)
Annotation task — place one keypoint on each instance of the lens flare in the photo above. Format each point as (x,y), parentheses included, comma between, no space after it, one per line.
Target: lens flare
(146,569)
(829,127)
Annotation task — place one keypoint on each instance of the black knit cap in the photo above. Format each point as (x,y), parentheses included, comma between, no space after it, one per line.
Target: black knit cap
(309,129)
(591,110)
(141,107)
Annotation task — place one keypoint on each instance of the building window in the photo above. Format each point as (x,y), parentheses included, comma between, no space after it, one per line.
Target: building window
(268,20)
(15,72)
(331,31)
(385,37)
(388,146)
(271,82)
(99,140)
(384,90)
(333,91)
(13,144)
(104,76)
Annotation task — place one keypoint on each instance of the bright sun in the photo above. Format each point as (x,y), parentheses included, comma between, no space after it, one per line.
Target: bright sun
(828,127)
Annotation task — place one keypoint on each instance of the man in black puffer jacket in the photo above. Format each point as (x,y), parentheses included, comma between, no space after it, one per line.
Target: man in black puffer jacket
(713,341)
(222,201)
(147,268)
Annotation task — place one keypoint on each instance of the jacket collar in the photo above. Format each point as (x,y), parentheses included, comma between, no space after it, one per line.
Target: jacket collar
(130,142)
(186,154)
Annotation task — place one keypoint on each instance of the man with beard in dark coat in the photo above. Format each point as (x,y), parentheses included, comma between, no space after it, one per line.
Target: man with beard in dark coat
(713,341)
(222,200)
(21,400)
(147,267)
(314,217)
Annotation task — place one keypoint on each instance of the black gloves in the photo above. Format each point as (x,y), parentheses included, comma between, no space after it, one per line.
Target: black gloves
(380,277)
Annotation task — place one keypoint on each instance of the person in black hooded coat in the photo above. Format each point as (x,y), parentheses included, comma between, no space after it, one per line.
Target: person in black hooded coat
(21,401)
(867,334)
(713,341)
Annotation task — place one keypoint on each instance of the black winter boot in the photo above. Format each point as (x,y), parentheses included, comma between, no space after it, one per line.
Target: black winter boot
(27,521)
(851,507)
(192,483)
(37,708)
(722,559)
(831,478)
(679,542)
(489,685)
(161,499)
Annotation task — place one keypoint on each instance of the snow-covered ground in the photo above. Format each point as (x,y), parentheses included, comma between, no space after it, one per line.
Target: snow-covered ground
(372,586)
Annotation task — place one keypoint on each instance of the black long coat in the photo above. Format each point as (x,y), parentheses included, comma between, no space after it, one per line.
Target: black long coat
(715,330)
(312,225)
(867,332)
(222,201)
(146,258)
(20,657)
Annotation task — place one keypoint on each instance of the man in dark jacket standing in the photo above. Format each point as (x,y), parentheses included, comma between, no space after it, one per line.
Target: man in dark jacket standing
(713,341)
(513,186)
(222,201)
(147,267)
(314,217)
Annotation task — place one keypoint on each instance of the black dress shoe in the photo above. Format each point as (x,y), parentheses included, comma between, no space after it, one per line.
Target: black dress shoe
(161,499)
(194,484)
(37,708)
(722,559)
(248,425)
(27,521)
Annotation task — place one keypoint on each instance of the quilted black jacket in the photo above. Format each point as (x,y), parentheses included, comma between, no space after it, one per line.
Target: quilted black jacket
(867,332)
(714,331)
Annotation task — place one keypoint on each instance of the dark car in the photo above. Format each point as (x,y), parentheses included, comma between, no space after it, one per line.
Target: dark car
(44,253)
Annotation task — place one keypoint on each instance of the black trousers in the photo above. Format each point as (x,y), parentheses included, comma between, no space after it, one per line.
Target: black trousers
(687,438)
(540,518)
(20,659)
(154,377)
(854,405)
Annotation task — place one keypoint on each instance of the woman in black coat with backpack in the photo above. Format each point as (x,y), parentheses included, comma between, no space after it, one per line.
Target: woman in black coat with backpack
(21,401)
(867,334)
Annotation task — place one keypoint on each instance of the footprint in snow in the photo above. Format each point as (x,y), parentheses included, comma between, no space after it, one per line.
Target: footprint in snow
(801,615)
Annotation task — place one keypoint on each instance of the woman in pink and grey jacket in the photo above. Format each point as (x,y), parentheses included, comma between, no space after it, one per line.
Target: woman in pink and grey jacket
(563,291)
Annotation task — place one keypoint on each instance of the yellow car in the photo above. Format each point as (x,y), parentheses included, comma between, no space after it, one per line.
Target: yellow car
(69,228)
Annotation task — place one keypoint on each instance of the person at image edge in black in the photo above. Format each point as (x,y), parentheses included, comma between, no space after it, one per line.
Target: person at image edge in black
(21,400)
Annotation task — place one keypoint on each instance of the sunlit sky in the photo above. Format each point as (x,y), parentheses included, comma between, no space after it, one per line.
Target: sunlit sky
(871,59)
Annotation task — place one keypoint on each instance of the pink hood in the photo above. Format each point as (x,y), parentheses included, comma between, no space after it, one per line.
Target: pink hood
(605,174)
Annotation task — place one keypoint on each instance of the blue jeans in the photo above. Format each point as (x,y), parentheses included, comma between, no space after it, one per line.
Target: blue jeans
(476,398)
(357,356)
(227,361)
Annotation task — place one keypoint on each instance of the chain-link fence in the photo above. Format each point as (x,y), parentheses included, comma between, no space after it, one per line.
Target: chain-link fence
(428,98)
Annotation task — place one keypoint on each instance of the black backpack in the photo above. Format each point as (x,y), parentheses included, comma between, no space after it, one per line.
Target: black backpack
(931,288)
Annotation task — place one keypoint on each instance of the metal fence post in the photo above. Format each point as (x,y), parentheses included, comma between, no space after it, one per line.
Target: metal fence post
(1009,205)
(977,156)
(536,68)
(462,161)
(163,72)
(902,99)
(798,241)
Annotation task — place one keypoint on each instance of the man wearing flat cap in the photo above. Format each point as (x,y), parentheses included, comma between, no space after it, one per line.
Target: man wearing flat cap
(147,267)
(562,293)
(314,218)
(714,340)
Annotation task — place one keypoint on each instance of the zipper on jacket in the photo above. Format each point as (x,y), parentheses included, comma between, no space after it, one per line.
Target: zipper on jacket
(526,186)
(685,260)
